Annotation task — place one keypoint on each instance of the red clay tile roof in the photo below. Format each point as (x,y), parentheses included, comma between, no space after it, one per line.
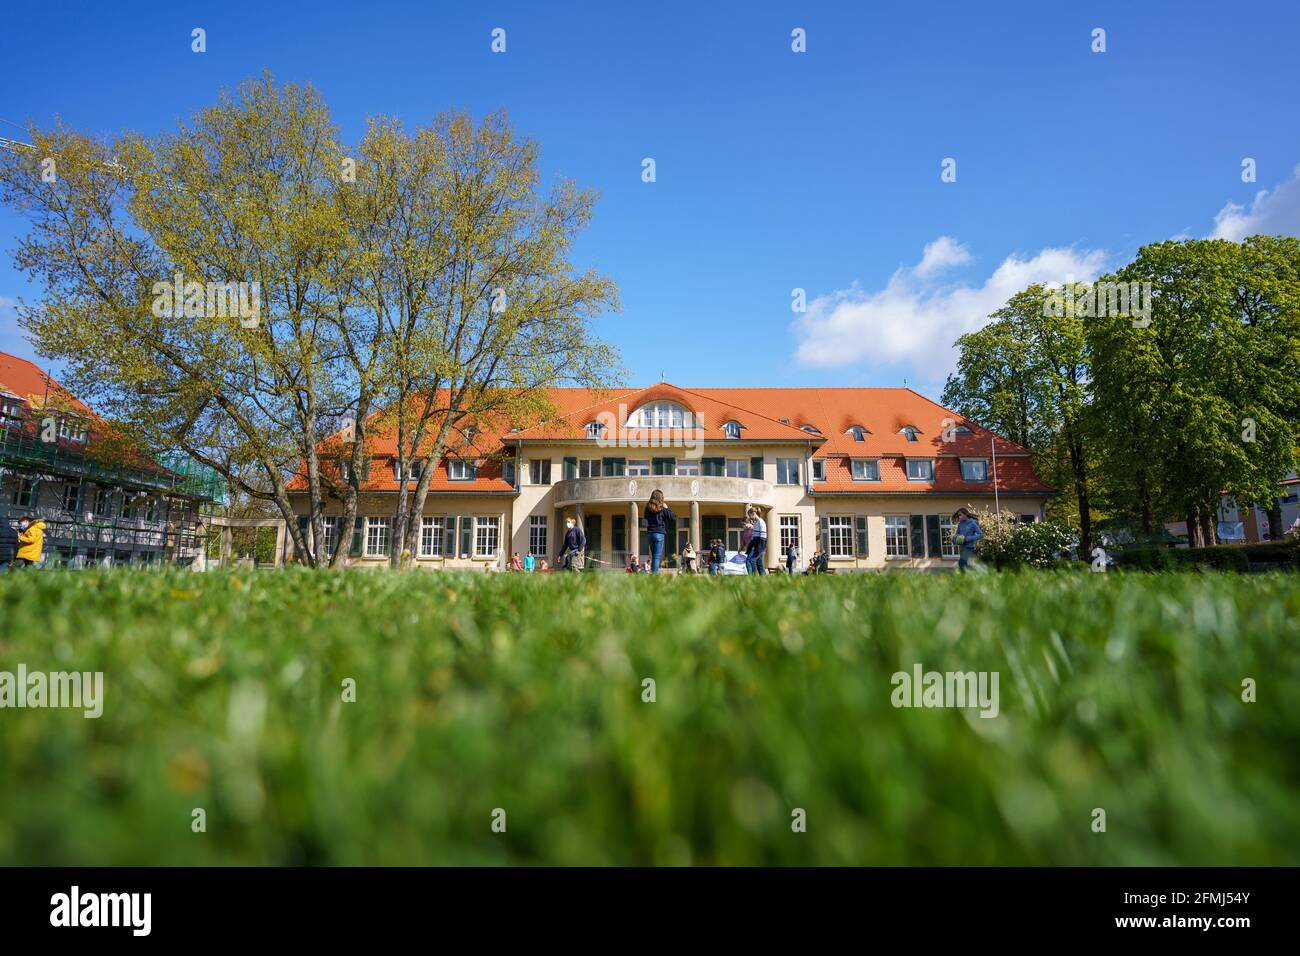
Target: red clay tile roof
(882,412)
(27,381)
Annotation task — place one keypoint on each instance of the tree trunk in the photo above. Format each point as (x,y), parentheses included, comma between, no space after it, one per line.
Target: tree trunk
(1275,520)
(1193,528)
(1208,531)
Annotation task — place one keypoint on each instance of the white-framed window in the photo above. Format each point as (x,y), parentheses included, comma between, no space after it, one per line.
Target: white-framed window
(331,528)
(487,536)
(910,432)
(638,468)
(345,470)
(841,535)
(974,469)
(896,537)
(594,429)
(589,468)
(920,469)
(737,467)
(789,533)
(866,469)
(460,469)
(732,429)
(662,414)
(71,496)
(377,537)
(687,468)
(103,503)
(858,432)
(537,536)
(432,531)
(787,471)
(819,469)
(417,465)
(22,495)
(947,528)
(539,471)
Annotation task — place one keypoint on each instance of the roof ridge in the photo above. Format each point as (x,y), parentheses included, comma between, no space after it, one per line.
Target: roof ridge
(774,421)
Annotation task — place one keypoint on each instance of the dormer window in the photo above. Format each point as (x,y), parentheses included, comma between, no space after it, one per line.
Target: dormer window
(811,429)
(963,430)
(732,429)
(784,421)
(910,431)
(594,429)
(662,414)
(469,432)
(858,432)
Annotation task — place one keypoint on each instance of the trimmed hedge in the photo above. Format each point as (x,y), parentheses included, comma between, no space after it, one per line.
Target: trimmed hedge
(1281,556)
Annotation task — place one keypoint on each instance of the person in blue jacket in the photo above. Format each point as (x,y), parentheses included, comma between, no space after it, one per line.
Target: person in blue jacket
(657,518)
(967,533)
(575,543)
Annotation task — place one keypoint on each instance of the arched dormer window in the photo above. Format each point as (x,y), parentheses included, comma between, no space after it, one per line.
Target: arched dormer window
(732,429)
(811,429)
(661,414)
(910,432)
(594,429)
(858,432)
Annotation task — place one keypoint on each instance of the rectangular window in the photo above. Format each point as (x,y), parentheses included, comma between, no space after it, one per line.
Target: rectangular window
(570,467)
(974,469)
(688,468)
(638,468)
(539,471)
(896,536)
(377,537)
(819,469)
(432,529)
(756,468)
(787,471)
(947,546)
(664,466)
(460,469)
(589,468)
(920,469)
(841,536)
(918,536)
(487,535)
(331,524)
(866,469)
(508,471)
(414,474)
(22,495)
(713,467)
(613,467)
(789,533)
(103,503)
(71,497)
(737,468)
(537,537)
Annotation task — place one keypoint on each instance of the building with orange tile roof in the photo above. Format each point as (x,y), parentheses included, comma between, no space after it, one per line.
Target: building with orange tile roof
(871,476)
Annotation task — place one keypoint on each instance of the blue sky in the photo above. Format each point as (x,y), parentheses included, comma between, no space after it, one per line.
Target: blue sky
(775,170)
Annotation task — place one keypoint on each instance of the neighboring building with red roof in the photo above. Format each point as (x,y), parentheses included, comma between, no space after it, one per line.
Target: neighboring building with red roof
(98,509)
(870,475)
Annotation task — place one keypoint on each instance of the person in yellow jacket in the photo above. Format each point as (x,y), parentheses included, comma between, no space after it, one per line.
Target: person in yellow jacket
(31,542)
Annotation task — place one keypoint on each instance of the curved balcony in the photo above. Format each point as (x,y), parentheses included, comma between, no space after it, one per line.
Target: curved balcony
(676,488)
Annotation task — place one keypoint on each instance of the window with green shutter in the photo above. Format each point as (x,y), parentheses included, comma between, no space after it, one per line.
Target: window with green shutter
(613,467)
(918,536)
(756,467)
(933,536)
(570,467)
(715,467)
(824,524)
(861,535)
(665,466)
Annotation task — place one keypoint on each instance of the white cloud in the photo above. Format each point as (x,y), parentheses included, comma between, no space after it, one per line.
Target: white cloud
(914,320)
(1273,212)
(944,253)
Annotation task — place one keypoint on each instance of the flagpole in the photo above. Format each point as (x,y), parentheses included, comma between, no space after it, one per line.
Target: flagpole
(997,506)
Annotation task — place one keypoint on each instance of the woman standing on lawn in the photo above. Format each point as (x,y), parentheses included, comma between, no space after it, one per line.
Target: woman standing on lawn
(575,542)
(755,553)
(657,516)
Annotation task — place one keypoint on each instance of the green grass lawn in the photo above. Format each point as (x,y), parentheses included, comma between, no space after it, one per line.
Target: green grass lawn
(477,692)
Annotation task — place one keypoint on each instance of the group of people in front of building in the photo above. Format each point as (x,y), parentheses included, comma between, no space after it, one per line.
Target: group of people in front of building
(753,543)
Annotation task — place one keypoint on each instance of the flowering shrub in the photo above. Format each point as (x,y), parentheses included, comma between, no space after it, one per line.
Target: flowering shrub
(1008,543)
